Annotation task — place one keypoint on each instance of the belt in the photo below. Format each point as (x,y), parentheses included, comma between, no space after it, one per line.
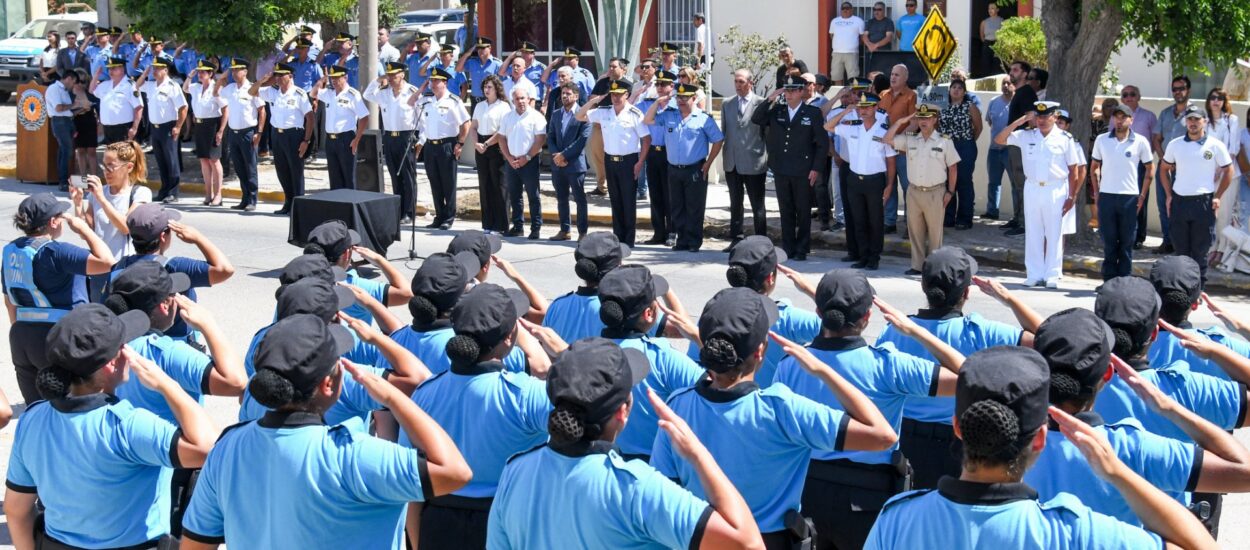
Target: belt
(1201,196)
(439,141)
(927,188)
(657,148)
(868,176)
(242,130)
(621,158)
(199,120)
(403,133)
(873,477)
(292,129)
(462,503)
(342,134)
(163,125)
(691,165)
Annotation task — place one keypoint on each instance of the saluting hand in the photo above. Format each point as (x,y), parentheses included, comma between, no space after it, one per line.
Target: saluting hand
(1219,313)
(361,296)
(595,99)
(679,433)
(1202,346)
(196,315)
(684,325)
(805,358)
(1092,444)
(992,288)
(550,340)
(379,389)
(505,266)
(365,331)
(1148,392)
(893,316)
(186,233)
(800,282)
(150,375)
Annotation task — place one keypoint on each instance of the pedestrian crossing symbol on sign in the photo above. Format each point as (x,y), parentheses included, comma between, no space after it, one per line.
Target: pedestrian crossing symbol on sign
(934,44)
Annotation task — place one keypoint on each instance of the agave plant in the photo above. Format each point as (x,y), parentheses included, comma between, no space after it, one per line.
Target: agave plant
(622,28)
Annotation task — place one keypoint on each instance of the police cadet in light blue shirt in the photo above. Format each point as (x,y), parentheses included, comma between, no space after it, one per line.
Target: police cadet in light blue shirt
(763,438)
(1001,408)
(290,481)
(946,278)
(628,309)
(305,70)
(691,145)
(99,466)
(577,492)
(1178,281)
(846,489)
(490,413)
(477,63)
(576,315)
(351,63)
(418,59)
(337,243)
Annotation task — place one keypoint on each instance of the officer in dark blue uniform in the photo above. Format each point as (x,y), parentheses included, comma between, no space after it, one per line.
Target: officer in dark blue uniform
(692,142)
(576,315)
(490,413)
(1001,403)
(288,480)
(657,163)
(797,146)
(99,466)
(763,438)
(44,278)
(577,492)
(1178,281)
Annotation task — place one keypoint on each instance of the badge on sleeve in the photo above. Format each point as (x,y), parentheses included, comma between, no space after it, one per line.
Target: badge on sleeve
(1206,155)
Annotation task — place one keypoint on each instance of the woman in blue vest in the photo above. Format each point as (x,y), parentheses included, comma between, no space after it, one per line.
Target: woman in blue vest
(763,438)
(577,492)
(576,315)
(44,278)
(1001,408)
(290,481)
(489,412)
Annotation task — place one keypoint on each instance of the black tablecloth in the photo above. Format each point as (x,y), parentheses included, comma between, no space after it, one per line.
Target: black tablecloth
(374,215)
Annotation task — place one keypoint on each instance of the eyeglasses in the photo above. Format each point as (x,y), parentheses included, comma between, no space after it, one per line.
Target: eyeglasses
(1215,98)
(1179,89)
(112,167)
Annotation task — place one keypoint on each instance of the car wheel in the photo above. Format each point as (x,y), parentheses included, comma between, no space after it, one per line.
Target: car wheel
(4,96)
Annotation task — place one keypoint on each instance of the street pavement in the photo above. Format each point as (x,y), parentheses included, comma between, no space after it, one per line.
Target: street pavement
(256,244)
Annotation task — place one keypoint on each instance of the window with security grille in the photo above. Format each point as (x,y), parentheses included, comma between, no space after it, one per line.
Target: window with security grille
(676,24)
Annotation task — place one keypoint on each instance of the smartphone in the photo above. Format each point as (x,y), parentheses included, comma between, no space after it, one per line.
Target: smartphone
(78,181)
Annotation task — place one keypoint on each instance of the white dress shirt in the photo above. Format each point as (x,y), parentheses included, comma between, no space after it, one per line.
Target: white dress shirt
(509,84)
(442,117)
(397,114)
(489,116)
(117,102)
(1196,164)
(56,94)
(522,130)
(286,110)
(342,110)
(164,100)
(622,133)
(865,147)
(203,103)
(244,109)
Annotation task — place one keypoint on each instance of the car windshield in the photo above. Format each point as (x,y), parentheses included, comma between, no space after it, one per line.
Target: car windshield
(419,18)
(39,28)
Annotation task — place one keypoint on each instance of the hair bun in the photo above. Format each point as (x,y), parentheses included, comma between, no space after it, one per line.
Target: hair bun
(567,425)
(989,430)
(1123,342)
(53,382)
(116,303)
(587,270)
(423,310)
(462,349)
(738,276)
(719,354)
(1063,387)
(270,389)
(314,248)
(936,296)
(833,319)
(611,313)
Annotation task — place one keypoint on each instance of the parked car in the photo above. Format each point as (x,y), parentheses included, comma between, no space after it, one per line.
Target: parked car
(423,17)
(19,52)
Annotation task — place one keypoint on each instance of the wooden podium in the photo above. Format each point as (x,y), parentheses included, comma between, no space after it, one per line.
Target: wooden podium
(36,148)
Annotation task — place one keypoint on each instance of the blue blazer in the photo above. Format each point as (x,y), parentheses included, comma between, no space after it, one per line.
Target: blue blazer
(571,143)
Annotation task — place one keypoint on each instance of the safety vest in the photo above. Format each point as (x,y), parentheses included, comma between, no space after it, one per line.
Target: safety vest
(19,277)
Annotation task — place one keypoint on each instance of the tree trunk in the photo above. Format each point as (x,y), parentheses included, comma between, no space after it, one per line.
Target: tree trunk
(1080,36)
(470,35)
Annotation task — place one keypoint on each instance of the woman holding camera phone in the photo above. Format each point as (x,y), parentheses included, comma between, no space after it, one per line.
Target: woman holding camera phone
(105,204)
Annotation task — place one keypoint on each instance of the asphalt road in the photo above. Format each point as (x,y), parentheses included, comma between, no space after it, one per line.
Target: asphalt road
(256,244)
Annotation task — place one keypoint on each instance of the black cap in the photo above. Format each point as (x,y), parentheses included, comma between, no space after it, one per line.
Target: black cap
(313,296)
(145,284)
(147,221)
(206,65)
(488,313)
(572,52)
(633,288)
(687,90)
(740,316)
(283,68)
(334,237)
(1177,274)
(480,244)
(395,68)
(794,83)
(336,71)
(238,63)
(343,37)
(527,46)
(1077,343)
(665,76)
(860,83)
(115,62)
(1128,303)
(950,270)
(824,80)
(868,99)
(483,41)
(845,291)
(160,62)
(757,256)
(1046,107)
(90,335)
(618,87)
(422,37)
(310,265)
(442,277)
(305,29)
(438,73)
(40,208)
(595,376)
(1194,111)
(668,47)
(1013,376)
(303,43)
(602,248)
(303,349)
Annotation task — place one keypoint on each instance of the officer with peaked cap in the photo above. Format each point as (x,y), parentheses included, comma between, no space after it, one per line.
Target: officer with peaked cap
(477,63)
(796,148)
(397,99)
(444,125)
(347,118)
(166,111)
(626,141)
(692,140)
(872,166)
(246,122)
(932,158)
(121,109)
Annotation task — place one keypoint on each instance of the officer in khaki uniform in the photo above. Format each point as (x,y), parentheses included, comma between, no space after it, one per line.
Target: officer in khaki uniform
(932,181)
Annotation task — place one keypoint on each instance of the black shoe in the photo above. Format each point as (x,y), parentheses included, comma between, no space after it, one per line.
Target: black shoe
(873,265)
(963,226)
(533,236)
(285,210)
(851,259)
(516,231)
(1011,224)
(444,226)
(1014,232)
(249,208)
(598,193)
(433,225)
(1138,246)
(826,227)
(838,226)
(1165,248)
(859,264)
(912,272)
(171,199)
(678,247)
(654,240)
(406,220)
(239,206)
(800,257)
(988,216)
(693,249)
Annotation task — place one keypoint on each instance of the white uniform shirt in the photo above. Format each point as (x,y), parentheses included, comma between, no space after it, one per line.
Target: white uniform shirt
(203,103)
(244,107)
(1196,163)
(286,110)
(397,114)
(117,102)
(442,118)
(509,84)
(1119,162)
(164,100)
(623,133)
(522,130)
(865,147)
(489,116)
(845,33)
(56,94)
(342,110)
(1046,159)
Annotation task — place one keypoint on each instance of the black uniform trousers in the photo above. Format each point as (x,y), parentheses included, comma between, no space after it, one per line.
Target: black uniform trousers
(865,194)
(662,198)
(243,156)
(752,185)
(688,188)
(1193,227)
(165,149)
(340,160)
(454,523)
(491,190)
(933,451)
(793,202)
(402,165)
(29,354)
(116,132)
(622,190)
(1117,223)
(287,162)
(820,194)
(848,214)
(440,167)
(844,498)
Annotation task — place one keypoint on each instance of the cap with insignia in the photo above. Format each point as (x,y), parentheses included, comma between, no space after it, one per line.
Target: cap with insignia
(926,110)
(305,29)
(238,63)
(860,83)
(447,48)
(395,68)
(1194,111)
(618,87)
(423,37)
(303,43)
(336,71)
(132,28)
(868,100)
(160,63)
(1045,107)
(439,73)
(1063,114)
(572,52)
(483,42)
(665,76)
(115,62)
(283,68)
(527,46)
(155,41)
(206,65)
(668,47)
(343,37)
(687,90)
(794,83)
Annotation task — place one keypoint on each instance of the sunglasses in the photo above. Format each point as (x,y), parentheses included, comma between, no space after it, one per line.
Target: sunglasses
(1179,89)
(1128,94)
(1215,98)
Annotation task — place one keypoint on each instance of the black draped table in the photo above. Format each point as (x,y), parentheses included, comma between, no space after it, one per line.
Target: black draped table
(374,215)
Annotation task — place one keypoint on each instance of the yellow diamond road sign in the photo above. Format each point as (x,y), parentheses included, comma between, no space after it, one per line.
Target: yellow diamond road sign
(935,44)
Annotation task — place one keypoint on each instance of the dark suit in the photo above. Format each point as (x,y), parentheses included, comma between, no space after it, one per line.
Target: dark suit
(64,65)
(796,148)
(570,143)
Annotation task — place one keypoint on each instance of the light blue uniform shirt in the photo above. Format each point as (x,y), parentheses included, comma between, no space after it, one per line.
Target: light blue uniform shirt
(186,62)
(414,62)
(99,59)
(352,65)
(689,138)
(189,367)
(144,61)
(908,28)
(576,315)
(590,497)
(961,514)
(289,481)
(657,130)
(378,290)
(100,466)
(584,79)
(670,371)
(795,324)
(1166,349)
(477,71)
(887,376)
(535,75)
(763,440)
(490,413)
(306,73)
(1170,465)
(1220,401)
(966,333)
(430,346)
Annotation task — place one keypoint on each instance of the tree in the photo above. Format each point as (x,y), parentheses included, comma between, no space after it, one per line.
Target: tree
(754,53)
(248,28)
(1021,39)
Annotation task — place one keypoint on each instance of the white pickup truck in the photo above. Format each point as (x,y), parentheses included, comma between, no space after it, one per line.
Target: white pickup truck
(19,52)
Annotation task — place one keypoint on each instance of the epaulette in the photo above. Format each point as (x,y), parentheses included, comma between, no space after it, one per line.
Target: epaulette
(882,111)
(904,497)
(525,452)
(223,433)
(885,126)
(300,91)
